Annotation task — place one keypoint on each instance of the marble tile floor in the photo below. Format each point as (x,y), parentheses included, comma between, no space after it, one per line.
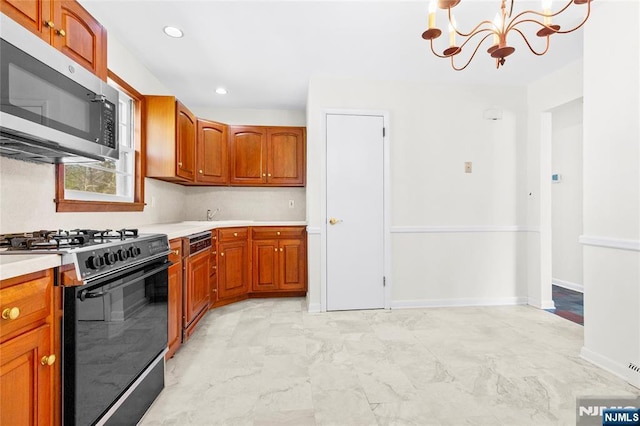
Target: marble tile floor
(269,362)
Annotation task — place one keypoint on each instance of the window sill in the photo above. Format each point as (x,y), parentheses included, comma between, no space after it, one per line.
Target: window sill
(97,206)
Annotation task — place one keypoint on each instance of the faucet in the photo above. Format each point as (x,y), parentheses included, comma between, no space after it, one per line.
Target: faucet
(211,214)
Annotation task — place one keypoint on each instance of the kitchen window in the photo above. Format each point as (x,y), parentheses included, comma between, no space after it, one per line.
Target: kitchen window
(109,186)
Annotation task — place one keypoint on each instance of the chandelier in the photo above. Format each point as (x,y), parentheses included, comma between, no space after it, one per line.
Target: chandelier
(503,24)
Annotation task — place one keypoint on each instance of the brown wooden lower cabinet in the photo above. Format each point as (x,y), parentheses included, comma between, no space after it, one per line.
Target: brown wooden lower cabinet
(28,352)
(196,288)
(279,259)
(233,278)
(174,338)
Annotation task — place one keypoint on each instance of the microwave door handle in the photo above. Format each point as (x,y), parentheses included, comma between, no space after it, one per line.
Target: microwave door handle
(86,294)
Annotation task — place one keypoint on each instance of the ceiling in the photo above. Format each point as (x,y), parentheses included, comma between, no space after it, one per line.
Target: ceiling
(265,52)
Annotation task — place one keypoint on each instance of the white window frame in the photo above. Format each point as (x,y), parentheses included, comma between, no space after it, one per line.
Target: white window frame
(125,170)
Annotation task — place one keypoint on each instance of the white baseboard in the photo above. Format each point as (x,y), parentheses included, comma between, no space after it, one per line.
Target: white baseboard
(313,308)
(541,304)
(568,285)
(444,303)
(611,366)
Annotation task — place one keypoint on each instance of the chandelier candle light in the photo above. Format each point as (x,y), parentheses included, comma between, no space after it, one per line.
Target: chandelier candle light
(498,29)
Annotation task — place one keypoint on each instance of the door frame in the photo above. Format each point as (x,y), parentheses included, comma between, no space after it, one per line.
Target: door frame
(386,202)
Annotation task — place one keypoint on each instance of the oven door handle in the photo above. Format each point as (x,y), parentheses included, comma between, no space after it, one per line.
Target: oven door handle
(86,294)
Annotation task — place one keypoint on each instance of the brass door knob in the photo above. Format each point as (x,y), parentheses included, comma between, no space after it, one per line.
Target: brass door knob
(333,221)
(61,33)
(278,233)
(11,313)
(176,252)
(280,248)
(275,249)
(264,174)
(49,24)
(269,174)
(200,171)
(48,360)
(180,164)
(221,254)
(235,234)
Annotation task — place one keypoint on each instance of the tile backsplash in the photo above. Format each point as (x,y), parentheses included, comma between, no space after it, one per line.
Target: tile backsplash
(27,191)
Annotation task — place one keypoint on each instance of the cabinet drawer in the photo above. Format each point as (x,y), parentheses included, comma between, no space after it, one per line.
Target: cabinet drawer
(233,234)
(271,232)
(28,302)
(176,250)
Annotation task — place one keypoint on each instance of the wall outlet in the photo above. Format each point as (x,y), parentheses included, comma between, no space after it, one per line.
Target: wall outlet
(467,167)
(292,204)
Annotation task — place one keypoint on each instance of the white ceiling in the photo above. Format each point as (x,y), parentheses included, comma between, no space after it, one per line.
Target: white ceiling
(265,52)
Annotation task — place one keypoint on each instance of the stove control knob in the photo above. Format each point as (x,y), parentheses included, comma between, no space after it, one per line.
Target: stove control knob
(95,262)
(110,258)
(133,251)
(123,254)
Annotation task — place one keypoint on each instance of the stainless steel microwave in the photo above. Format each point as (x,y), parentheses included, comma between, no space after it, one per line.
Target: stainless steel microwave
(52,110)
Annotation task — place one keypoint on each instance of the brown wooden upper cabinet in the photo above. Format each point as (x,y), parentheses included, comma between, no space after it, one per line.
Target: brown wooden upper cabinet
(67,26)
(272,156)
(171,140)
(211,153)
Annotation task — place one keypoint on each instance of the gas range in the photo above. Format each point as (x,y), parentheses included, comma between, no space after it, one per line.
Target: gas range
(94,253)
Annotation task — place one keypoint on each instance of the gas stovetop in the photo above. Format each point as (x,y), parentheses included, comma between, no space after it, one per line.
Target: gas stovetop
(94,253)
(63,241)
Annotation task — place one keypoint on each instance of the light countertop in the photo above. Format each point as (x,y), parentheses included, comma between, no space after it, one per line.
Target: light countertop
(182,229)
(13,265)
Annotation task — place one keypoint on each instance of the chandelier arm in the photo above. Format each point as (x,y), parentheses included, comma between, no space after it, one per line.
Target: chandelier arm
(581,23)
(460,33)
(472,55)
(468,39)
(436,53)
(529,45)
(513,22)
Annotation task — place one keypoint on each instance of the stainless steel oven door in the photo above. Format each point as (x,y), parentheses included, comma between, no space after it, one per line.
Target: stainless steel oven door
(113,330)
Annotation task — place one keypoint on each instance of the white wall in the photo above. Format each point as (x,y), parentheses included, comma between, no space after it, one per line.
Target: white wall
(433,131)
(612,189)
(566,195)
(254,117)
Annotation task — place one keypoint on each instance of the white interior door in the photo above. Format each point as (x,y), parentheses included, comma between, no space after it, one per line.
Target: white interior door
(355,212)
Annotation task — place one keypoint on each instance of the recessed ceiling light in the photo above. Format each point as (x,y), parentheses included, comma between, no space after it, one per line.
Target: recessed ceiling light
(221,91)
(173,32)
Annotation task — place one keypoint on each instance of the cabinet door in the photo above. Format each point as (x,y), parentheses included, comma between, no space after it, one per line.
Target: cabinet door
(265,265)
(292,268)
(185,142)
(232,269)
(174,338)
(211,153)
(78,35)
(285,156)
(34,15)
(247,155)
(197,285)
(25,384)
